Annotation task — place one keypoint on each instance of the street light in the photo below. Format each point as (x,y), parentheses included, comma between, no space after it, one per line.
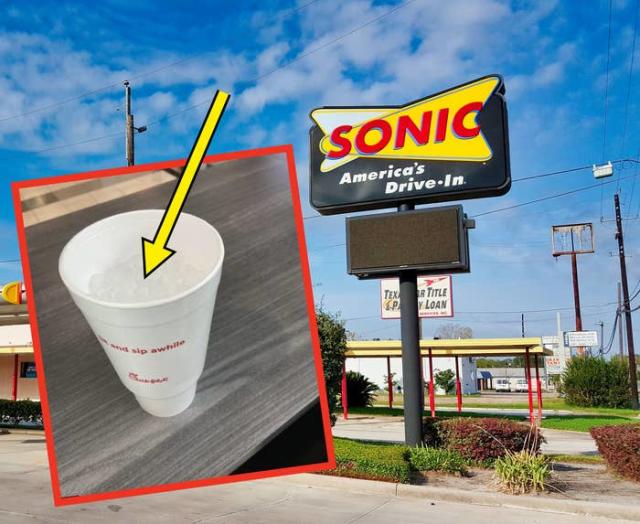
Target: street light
(602,171)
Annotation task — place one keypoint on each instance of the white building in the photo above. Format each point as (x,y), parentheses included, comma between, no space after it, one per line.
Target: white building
(375,369)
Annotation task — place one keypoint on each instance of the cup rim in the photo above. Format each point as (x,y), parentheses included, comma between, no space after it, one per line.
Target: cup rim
(149,303)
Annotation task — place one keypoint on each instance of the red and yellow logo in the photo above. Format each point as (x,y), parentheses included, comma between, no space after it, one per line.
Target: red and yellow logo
(441,127)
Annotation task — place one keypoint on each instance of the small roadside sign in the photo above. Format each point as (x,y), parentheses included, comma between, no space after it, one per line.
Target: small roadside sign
(434,297)
(576,339)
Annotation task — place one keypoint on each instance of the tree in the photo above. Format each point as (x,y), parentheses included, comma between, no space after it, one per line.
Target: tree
(361,392)
(333,344)
(394,381)
(444,380)
(453,332)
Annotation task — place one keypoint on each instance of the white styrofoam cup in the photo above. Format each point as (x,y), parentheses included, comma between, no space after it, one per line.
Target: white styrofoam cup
(157,347)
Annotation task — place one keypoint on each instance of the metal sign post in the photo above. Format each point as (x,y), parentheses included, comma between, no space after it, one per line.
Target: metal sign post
(411,369)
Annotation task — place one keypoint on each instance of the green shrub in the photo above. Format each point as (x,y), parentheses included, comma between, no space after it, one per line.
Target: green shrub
(620,448)
(433,459)
(333,344)
(482,440)
(16,411)
(368,460)
(594,382)
(522,472)
(361,392)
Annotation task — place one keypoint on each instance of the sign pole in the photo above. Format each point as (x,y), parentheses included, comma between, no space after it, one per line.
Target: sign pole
(411,368)
(389,382)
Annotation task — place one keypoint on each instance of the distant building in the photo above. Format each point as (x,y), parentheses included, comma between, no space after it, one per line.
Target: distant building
(375,369)
(17,365)
(509,379)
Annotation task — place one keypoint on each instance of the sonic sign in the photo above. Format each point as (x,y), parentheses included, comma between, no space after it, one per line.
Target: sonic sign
(448,146)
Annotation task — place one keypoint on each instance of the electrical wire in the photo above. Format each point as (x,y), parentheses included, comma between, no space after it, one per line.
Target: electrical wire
(208,101)
(515,312)
(606,107)
(628,97)
(550,197)
(604,351)
(606,89)
(150,72)
(294,60)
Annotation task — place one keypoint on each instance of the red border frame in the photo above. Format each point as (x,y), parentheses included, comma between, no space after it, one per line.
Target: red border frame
(433,316)
(58,499)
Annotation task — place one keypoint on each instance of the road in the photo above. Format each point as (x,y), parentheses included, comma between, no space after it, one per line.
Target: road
(25,498)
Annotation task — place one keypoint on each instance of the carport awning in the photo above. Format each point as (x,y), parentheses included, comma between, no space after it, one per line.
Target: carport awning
(485,374)
(470,347)
(16,350)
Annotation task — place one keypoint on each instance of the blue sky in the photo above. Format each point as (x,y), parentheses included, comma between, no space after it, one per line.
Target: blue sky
(281,61)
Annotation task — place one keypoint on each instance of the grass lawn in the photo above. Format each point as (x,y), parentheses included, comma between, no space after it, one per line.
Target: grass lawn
(563,422)
(577,459)
(371,460)
(476,401)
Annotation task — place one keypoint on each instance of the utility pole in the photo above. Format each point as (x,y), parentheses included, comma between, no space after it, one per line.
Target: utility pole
(576,291)
(128,124)
(626,305)
(522,321)
(620,327)
(601,324)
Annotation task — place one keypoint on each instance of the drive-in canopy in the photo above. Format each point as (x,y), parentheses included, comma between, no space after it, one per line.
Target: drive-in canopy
(470,347)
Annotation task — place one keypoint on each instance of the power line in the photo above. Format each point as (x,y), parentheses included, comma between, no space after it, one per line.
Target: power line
(550,197)
(518,312)
(286,64)
(606,89)
(296,59)
(150,72)
(631,62)
(554,173)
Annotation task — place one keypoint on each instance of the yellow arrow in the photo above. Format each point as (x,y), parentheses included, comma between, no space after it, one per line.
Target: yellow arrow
(155,253)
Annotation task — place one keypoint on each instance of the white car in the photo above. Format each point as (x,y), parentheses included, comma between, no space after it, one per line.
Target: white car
(502,384)
(521,385)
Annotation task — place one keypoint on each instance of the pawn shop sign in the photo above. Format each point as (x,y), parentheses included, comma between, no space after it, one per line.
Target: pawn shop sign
(449,146)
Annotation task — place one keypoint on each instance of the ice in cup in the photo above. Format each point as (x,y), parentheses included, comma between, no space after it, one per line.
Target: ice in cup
(155,331)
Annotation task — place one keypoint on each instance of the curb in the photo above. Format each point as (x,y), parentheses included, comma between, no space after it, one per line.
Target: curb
(20,431)
(536,503)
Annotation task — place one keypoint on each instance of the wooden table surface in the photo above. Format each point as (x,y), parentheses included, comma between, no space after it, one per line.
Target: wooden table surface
(259,374)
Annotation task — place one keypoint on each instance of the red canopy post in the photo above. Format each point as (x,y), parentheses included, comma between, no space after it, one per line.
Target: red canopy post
(389,383)
(458,388)
(345,400)
(432,399)
(527,371)
(14,384)
(539,388)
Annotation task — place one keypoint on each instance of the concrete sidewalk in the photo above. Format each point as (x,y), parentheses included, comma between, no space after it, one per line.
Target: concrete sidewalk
(25,496)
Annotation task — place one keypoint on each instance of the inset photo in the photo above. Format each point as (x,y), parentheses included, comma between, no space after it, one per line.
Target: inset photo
(176,345)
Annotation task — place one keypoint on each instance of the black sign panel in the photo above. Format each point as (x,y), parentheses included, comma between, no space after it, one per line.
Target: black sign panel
(449,146)
(386,243)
